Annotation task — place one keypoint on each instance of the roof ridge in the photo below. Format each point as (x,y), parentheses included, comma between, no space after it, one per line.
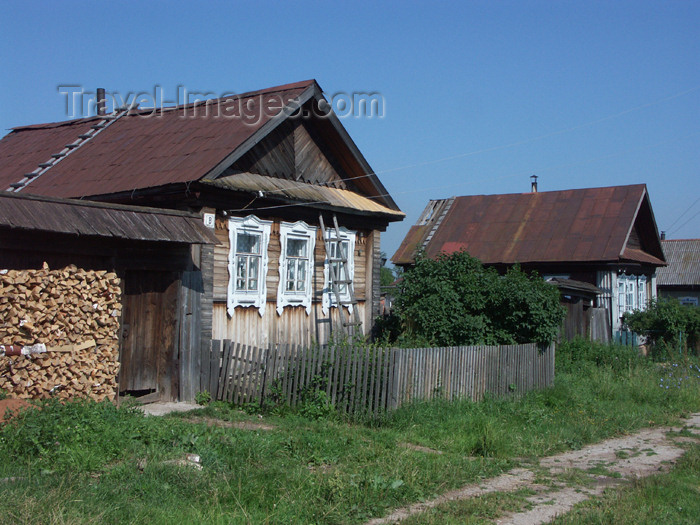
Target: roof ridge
(81,140)
(680,240)
(552,191)
(136,111)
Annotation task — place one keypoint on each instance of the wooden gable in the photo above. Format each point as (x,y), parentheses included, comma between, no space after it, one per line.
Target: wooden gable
(294,150)
(644,234)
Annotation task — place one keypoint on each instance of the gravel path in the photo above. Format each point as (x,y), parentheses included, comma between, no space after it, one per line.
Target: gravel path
(622,459)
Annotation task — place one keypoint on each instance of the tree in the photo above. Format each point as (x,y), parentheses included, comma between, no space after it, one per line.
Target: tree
(666,324)
(455,300)
(387,275)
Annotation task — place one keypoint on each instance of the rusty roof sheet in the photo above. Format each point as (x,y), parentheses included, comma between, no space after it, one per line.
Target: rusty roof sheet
(93,219)
(143,149)
(303,193)
(683,258)
(582,225)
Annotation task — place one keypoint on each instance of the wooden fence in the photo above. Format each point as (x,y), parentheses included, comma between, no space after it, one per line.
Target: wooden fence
(358,379)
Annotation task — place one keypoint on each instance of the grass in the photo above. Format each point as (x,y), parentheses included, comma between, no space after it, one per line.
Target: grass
(481,510)
(664,498)
(84,462)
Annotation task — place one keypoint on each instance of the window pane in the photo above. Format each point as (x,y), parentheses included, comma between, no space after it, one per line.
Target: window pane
(253,263)
(301,283)
(240,268)
(247,243)
(296,247)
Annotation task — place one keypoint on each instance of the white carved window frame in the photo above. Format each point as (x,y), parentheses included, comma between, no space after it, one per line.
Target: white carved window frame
(257,298)
(348,238)
(632,293)
(298,231)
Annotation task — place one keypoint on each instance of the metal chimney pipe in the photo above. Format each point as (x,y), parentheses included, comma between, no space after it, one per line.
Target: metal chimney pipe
(101,103)
(663,236)
(533,183)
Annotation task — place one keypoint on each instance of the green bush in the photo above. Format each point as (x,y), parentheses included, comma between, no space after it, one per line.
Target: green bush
(667,325)
(202,398)
(455,300)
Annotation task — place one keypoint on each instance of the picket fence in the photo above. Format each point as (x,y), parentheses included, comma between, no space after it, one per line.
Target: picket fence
(372,380)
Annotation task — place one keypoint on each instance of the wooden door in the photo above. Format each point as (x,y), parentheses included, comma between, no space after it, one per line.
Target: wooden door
(149,336)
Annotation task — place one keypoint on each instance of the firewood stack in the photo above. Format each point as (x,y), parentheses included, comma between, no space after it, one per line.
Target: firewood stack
(60,307)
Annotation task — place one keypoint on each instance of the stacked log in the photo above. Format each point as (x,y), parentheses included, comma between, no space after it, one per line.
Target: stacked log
(56,308)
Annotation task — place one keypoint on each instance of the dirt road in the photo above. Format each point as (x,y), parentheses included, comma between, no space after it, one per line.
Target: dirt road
(615,461)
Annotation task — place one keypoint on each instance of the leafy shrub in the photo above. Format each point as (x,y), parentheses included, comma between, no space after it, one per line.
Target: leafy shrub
(455,300)
(202,398)
(666,323)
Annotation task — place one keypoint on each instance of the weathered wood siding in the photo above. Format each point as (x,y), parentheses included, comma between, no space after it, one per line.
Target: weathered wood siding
(294,325)
(294,150)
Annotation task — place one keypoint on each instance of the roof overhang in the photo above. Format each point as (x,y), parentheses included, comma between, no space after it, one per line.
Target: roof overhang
(22,212)
(295,193)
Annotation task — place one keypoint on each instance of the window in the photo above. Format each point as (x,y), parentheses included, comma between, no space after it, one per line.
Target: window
(642,292)
(247,262)
(297,244)
(621,294)
(632,293)
(345,245)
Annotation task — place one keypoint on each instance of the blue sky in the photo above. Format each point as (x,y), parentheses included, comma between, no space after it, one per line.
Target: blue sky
(478,95)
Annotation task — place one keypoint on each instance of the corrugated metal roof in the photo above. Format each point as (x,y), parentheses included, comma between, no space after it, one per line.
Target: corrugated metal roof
(93,219)
(582,225)
(683,258)
(302,192)
(144,149)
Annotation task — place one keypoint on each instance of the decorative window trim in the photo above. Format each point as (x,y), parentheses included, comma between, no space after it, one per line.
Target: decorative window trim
(328,296)
(631,293)
(300,231)
(258,298)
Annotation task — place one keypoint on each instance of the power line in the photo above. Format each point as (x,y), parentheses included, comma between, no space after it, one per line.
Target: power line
(525,141)
(462,183)
(686,222)
(682,214)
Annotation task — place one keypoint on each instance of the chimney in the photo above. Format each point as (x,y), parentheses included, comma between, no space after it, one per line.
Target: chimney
(663,236)
(101,101)
(533,183)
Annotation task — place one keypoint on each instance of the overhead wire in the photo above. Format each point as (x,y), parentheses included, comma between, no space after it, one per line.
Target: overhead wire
(682,214)
(462,183)
(520,142)
(686,222)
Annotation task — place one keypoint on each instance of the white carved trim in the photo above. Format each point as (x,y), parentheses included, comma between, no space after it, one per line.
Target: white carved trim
(258,299)
(297,230)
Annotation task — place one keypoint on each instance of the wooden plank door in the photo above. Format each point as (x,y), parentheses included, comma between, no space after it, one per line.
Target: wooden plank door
(149,368)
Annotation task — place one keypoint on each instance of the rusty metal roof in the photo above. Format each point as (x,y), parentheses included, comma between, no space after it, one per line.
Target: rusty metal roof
(144,149)
(584,225)
(303,193)
(94,219)
(683,258)
(155,148)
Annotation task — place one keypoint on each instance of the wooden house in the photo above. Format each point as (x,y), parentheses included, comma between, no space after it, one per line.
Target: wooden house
(599,245)
(263,169)
(681,278)
(158,256)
